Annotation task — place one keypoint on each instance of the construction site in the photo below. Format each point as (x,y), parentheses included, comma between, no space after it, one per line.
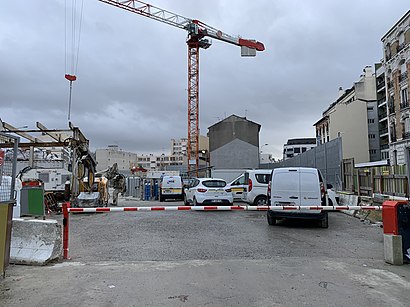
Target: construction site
(217,221)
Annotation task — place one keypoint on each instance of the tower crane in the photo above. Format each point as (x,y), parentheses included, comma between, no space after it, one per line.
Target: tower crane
(196,39)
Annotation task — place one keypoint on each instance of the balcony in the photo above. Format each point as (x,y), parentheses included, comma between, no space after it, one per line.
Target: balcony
(382,115)
(406,135)
(380,85)
(383,147)
(383,131)
(403,77)
(404,105)
(391,109)
(401,47)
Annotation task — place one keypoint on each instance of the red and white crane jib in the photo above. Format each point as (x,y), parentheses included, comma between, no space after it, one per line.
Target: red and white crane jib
(194,27)
(151,11)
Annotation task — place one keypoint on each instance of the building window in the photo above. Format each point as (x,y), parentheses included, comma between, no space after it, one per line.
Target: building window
(296,150)
(372,136)
(404,97)
(370,121)
(303,149)
(369,108)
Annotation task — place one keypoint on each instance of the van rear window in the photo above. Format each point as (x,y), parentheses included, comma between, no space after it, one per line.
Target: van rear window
(262,178)
(308,182)
(285,182)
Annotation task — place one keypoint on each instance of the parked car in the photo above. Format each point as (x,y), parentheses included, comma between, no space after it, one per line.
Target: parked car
(298,186)
(208,191)
(171,188)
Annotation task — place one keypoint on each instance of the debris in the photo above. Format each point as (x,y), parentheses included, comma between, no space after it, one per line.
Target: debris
(111,286)
(323,284)
(182,298)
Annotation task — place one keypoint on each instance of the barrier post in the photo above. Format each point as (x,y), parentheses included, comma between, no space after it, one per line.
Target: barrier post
(66,223)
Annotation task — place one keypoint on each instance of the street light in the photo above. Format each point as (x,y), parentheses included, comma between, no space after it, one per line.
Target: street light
(263,146)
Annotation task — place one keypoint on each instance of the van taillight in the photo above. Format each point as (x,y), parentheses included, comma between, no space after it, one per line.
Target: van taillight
(249,185)
(322,190)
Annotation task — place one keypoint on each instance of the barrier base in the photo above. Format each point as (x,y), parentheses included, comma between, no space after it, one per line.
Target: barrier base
(393,250)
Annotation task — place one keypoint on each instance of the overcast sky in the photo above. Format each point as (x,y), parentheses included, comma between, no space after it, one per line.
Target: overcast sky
(132,71)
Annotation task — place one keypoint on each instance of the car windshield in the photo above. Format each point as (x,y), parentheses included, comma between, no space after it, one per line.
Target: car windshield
(214,183)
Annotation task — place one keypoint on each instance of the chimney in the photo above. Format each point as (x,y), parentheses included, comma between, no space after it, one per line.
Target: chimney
(341,91)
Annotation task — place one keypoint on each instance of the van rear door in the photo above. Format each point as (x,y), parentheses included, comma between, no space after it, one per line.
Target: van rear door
(309,189)
(285,187)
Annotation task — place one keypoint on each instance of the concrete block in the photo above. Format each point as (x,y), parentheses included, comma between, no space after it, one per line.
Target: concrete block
(35,242)
(393,249)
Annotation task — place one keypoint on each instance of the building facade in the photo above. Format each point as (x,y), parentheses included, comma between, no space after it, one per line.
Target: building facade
(234,143)
(382,111)
(354,118)
(126,160)
(295,147)
(396,63)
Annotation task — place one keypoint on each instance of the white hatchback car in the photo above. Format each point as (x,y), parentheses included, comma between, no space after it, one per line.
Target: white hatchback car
(208,191)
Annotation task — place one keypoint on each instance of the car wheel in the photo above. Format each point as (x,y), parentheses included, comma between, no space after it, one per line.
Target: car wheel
(261,200)
(324,222)
(195,202)
(271,220)
(186,202)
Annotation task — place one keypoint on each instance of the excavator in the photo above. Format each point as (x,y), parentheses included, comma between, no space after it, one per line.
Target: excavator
(97,195)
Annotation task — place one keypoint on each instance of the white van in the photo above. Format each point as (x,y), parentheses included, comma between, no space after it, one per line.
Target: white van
(251,187)
(297,186)
(171,188)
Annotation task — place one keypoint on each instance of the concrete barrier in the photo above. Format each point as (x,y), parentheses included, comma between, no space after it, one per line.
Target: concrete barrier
(348,200)
(35,242)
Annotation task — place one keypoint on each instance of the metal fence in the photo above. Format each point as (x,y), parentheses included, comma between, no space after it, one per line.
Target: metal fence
(8,161)
(327,158)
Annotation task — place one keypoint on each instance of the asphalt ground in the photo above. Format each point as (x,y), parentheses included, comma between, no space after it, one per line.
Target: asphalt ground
(186,258)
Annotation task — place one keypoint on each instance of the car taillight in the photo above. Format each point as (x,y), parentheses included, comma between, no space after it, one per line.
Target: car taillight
(249,185)
(269,190)
(228,190)
(202,190)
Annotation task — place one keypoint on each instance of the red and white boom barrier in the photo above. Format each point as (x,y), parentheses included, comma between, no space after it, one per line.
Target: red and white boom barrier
(67,210)
(221,208)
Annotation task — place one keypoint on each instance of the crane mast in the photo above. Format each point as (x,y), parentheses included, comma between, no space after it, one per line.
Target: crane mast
(197,31)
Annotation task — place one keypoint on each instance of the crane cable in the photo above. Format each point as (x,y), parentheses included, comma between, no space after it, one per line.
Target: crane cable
(74,46)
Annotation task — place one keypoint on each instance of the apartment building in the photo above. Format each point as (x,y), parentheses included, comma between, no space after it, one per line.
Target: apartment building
(354,118)
(125,160)
(396,63)
(295,147)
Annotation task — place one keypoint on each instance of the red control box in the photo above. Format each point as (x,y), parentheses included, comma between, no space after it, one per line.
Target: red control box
(390,216)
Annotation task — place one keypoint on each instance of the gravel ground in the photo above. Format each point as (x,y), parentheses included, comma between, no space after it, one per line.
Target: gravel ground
(186,258)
